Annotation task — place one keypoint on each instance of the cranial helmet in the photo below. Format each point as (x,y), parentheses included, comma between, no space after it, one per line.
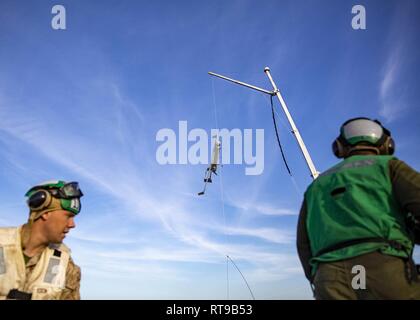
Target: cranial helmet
(363,134)
(54,195)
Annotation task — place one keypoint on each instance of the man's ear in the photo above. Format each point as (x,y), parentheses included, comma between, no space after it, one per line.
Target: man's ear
(45,216)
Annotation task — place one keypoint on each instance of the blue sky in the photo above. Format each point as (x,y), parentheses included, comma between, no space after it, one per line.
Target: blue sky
(86,103)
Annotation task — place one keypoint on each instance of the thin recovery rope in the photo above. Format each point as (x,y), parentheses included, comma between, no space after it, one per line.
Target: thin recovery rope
(224,222)
(221,189)
(249,288)
(214,103)
(277,135)
(214,161)
(223,209)
(227,276)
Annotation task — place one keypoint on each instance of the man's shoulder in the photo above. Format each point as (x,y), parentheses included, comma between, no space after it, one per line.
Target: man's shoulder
(398,170)
(396,164)
(8,229)
(72,269)
(73,275)
(8,235)
(74,266)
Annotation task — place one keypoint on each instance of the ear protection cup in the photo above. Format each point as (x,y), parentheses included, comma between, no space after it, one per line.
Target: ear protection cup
(391,146)
(388,147)
(41,199)
(338,147)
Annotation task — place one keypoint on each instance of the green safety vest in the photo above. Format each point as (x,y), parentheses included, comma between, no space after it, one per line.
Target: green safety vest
(351,204)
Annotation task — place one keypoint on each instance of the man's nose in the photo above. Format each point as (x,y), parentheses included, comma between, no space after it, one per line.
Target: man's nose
(71,223)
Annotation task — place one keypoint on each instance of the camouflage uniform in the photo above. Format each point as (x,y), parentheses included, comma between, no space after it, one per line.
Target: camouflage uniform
(73,273)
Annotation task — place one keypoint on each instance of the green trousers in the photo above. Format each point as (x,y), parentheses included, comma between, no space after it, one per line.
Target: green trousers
(385,277)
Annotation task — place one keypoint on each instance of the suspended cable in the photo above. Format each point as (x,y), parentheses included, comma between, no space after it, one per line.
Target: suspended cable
(295,184)
(225,224)
(214,103)
(227,277)
(223,208)
(221,188)
(277,135)
(249,288)
(283,123)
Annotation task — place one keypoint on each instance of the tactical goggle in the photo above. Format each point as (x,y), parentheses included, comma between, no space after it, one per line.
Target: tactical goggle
(69,196)
(69,191)
(73,205)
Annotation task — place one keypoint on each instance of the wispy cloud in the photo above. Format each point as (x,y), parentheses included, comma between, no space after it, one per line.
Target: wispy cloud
(390,91)
(261,208)
(76,234)
(204,251)
(395,87)
(267,234)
